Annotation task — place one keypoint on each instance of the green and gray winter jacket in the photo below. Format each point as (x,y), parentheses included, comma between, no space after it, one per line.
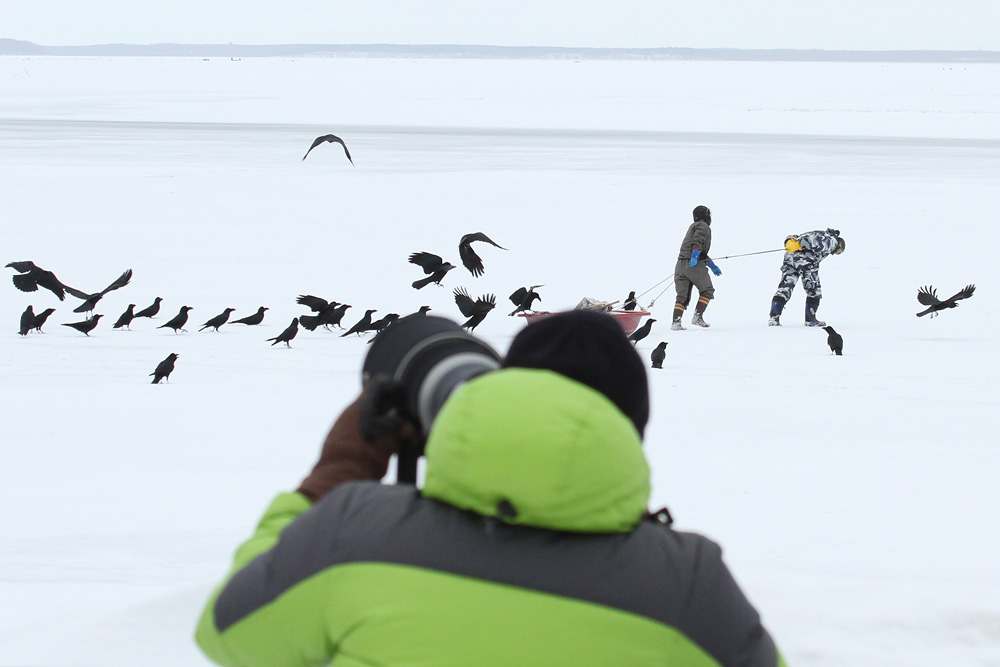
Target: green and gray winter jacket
(527,546)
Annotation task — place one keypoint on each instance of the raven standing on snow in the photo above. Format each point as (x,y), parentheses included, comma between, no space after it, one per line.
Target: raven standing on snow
(928,297)
(178,321)
(835,341)
(164,369)
(150,310)
(287,335)
(40,319)
(86,326)
(658,354)
(252,320)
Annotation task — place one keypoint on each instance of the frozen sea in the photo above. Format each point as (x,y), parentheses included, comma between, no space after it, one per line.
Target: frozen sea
(855,496)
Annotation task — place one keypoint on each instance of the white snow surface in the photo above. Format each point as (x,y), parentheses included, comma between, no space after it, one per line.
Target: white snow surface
(855,497)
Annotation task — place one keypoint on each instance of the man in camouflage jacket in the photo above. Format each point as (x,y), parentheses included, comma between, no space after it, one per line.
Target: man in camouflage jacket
(803,253)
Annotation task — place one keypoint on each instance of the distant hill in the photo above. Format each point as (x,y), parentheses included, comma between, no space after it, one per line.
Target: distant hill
(13,47)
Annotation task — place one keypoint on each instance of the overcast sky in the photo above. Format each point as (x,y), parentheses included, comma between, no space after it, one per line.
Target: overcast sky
(796,24)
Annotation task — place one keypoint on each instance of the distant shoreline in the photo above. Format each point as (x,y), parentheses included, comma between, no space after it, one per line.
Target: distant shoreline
(13,47)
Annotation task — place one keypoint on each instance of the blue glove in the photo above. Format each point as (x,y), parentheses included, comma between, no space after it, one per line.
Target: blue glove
(716,270)
(694,256)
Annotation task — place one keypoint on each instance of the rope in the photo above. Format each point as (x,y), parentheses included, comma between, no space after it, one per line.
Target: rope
(651,303)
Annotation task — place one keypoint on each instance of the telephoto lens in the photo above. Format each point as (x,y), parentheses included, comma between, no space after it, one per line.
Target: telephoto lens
(413,367)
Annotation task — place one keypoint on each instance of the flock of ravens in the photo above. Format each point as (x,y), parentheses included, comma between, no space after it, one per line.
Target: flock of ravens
(29,277)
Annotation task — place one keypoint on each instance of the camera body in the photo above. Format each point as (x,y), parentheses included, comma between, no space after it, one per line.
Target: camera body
(412,368)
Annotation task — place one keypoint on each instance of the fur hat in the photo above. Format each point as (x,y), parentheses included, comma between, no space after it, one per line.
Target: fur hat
(591,348)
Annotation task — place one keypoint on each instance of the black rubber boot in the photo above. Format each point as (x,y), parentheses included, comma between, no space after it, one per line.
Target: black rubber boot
(812,305)
(777,305)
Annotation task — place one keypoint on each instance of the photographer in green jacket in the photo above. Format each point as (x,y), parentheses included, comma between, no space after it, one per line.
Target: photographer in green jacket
(528,544)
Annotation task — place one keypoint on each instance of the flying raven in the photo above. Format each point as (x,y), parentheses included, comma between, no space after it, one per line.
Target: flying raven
(928,297)
(435,268)
(470,259)
(30,277)
(476,310)
(329,138)
(90,300)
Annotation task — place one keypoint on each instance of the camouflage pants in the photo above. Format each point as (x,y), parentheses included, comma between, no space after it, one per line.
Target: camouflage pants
(793,268)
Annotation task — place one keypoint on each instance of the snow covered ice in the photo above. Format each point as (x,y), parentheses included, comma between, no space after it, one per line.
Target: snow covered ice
(855,497)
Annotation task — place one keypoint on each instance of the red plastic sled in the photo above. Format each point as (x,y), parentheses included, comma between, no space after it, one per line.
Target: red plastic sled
(629,319)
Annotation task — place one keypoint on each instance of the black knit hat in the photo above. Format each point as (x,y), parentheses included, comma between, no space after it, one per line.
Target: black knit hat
(591,348)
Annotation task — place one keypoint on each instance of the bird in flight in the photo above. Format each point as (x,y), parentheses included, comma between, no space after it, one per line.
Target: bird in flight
(435,268)
(523,297)
(30,277)
(329,138)
(469,258)
(928,297)
(90,300)
(475,310)
(164,369)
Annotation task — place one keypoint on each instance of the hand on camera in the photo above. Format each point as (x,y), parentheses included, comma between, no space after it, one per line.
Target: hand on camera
(346,455)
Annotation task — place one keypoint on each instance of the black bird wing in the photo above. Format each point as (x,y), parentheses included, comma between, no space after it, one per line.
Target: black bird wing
(314,303)
(429,262)
(120,281)
(329,138)
(464,302)
(22,267)
(928,296)
(965,293)
(519,296)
